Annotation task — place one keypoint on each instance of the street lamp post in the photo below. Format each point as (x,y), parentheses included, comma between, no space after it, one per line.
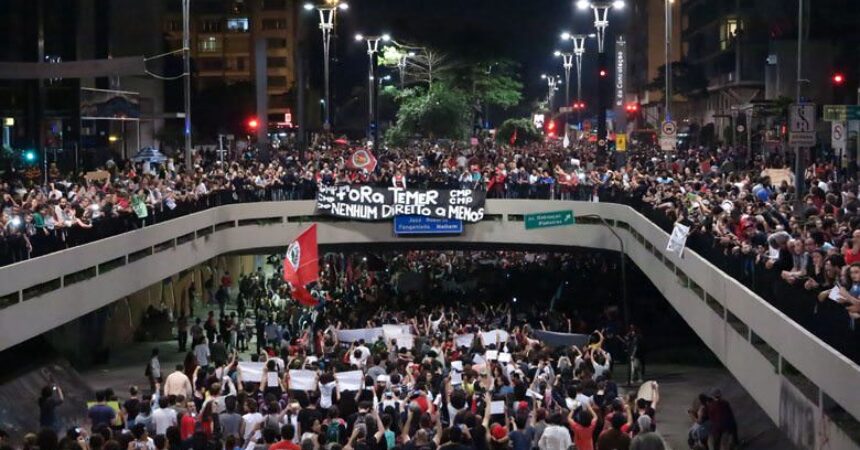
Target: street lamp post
(552,82)
(328,19)
(668,66)
(567,64)
(372,50)
(186,63)
(601,23)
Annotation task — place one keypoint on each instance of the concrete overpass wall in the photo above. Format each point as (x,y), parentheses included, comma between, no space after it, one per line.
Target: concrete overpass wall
(789,372)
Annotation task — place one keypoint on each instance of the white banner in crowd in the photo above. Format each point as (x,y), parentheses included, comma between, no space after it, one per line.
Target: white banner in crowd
(493,337)
(349,381)
(464,340)
(303,380)
(370,335)
(252,372)
(394,329)
(678,239)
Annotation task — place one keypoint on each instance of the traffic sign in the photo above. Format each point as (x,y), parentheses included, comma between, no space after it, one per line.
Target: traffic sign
(838,136)
(621,142)
(837,113)
(802,118)
(801,138)
(426,225)
(668,143)
(549,219)
(601,142)
(669,128)
(740,128)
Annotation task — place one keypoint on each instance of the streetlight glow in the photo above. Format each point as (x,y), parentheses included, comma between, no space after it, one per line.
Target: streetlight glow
(565,36)
(386,37)
(359,37)
(556,53)
(343,6)
(309,6)
(618,4)
(543,76)
(583,4)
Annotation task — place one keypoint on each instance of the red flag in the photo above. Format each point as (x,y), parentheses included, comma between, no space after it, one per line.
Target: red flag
(514,137)
(361,159)
(303,296)
(301,266)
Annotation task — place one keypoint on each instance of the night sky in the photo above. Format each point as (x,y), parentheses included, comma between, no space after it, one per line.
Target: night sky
(525,31)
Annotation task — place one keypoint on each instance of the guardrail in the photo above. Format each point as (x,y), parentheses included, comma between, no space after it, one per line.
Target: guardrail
(760,345)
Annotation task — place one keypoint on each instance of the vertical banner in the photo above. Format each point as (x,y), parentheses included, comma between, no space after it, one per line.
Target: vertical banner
(619,88)
(678,239)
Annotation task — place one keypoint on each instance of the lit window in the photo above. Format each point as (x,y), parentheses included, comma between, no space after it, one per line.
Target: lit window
(209,45)
(238,25)
(728,31)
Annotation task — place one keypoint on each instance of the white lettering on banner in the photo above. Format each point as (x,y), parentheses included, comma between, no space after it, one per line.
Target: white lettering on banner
(369,203)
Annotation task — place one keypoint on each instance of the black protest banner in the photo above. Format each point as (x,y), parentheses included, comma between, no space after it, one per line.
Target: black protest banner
(376,203)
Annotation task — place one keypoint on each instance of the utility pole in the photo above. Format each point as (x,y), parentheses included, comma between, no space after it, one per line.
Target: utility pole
(186,62)
(799,152)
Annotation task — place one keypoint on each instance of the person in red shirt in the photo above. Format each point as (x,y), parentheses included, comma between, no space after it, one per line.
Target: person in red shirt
(188,422)
(851,248)
(286,442)
(583,428)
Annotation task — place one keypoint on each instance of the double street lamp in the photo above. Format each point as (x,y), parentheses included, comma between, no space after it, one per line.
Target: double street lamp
(601,10)
(372,49)
(552,82)
(328,16)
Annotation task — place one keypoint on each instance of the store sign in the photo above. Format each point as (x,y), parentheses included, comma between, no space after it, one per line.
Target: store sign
(376,203)
(620,70)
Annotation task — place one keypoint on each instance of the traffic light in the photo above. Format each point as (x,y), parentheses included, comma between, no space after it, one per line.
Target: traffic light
(838,79)
(29,156)
(253,124)
(579,105)
(603,73)
(632,108)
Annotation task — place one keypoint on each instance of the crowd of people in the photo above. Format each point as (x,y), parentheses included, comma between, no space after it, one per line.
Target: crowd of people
(482,375)
(741,217)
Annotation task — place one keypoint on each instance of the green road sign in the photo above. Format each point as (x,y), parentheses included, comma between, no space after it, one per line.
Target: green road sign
(549,219)
(839,113)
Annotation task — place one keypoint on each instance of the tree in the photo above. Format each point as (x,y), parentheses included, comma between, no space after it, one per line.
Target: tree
(437,112)
(688,80)
(525,129)
(423,65)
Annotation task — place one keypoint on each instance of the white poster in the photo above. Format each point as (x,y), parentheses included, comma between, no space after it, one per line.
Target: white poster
(252,372)
(498,337)
(303,380)
(497,407)
(402,340)
(678,239)
(394,329)
(464,340)
(349,381)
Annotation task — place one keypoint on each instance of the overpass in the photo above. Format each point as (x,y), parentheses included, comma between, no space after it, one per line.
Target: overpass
(804,385)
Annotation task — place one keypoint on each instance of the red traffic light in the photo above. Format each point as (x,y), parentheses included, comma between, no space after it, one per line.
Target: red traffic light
(253,123)
(838,78)
(550,125)
(632,107)
(602,73)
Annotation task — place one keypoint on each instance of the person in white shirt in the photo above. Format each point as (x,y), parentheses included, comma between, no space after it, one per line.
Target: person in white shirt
(359,355)
(555,436)
(250,422)
(154,369)
(201,352)
(164,417)
(600,368)
(177,383)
